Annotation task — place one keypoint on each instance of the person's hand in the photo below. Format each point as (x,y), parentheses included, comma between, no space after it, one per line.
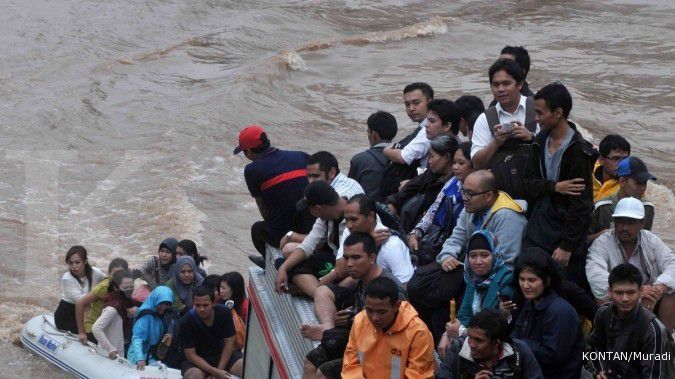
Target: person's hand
(112,354)
(483,374)
(443,345)
(221,374)
(571,187)
(662,288)
(452,330)
(507,306)
(501,136)
(131,312)
(602,375)
(280,284)
(381,236)
(140,365)
(413,242)
(562,256)
(450,263)
(83,338)
(520,132)
(402,184)
(342,317)
(284,241)
(651,294)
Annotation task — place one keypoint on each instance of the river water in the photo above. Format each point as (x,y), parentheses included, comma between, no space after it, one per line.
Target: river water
(119,118)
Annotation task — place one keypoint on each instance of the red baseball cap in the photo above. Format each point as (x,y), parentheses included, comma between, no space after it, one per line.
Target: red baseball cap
(249,138)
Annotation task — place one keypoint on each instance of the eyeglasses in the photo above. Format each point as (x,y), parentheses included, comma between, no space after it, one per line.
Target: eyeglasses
(469,195)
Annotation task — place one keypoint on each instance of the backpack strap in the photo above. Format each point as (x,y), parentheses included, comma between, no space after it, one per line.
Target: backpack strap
(378,159)
(492,119)
(530,116)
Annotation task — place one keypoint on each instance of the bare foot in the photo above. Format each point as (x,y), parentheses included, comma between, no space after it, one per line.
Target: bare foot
(313,332)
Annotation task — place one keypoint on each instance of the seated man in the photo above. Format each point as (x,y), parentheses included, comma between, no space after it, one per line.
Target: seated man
(368,167)
(488,352)
(207,336)
(388,339)
(622,325)
(613,148)
(628,242)
(360,254)
(633,177)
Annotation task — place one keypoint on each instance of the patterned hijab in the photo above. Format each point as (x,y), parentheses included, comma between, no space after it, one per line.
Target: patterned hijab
(484,240)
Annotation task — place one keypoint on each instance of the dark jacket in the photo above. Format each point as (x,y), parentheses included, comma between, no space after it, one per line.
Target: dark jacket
(458,362)
(367,168)
(613,334)
(552,330)
(428,185)
(577,162)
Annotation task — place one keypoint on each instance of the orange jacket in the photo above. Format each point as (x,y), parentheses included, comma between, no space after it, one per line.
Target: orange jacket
(407,347)
(600,189)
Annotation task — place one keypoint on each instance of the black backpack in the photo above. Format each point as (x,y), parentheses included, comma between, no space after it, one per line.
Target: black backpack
(174,356)
(395,173)
(508,164)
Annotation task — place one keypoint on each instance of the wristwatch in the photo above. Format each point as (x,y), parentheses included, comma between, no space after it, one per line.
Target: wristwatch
(289,234)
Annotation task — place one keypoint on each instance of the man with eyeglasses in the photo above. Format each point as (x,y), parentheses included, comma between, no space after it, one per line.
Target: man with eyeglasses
(613,148)
(628,242)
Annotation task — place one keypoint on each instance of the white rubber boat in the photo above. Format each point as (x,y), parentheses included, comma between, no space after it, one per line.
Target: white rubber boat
(41,337)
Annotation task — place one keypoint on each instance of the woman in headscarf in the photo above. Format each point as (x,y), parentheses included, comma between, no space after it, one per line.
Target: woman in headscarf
(189,248)
(148,327)
(183,283)
(157,269)
(486,277)
(112,329)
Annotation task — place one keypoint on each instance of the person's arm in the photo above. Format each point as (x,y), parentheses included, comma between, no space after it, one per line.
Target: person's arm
(508,229)
(135,353)
(452,246)
(597,263)
(579,210)
(80,305)
(558,337)
(394,155)
(448,368)
(597,341)
(98,329)
(201,363)
(535,183)
(421,363)
(665,260)
(653,342)
(225,355)
(430,214)
(465,313)
(351,364)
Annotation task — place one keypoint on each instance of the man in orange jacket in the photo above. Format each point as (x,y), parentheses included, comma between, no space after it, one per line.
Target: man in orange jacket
(388,339)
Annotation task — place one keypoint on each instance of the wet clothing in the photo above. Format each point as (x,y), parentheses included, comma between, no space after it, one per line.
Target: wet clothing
(405,350)
(552,330)
(148,330)
(601,218)
(367,168)
(603,189)
(515,359)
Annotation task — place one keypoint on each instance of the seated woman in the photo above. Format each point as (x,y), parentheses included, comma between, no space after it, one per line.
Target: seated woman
(148,327)
(157,269)
(232,288)
(189,248)
(112,329)
(441,217)
(75,283)
(547,323)
(486,277)
(183,283)
(94,300)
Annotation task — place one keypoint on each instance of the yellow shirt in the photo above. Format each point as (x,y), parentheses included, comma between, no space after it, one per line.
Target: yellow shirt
(602,190)
(95,309)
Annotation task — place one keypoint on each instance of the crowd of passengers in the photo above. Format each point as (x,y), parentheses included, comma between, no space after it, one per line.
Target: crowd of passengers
(488,243)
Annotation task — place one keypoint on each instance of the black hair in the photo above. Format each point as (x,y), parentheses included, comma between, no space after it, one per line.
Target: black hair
(448,112)
(613,142)
(236,283)
(625,273)
(263,146)
(465,147)
(384,123)
(325,160)
(204,291)
(366,239)
(367,204)
(383,288)
(82,253)
(512,68)
(117,279)
(470,107)
(492,322)
(118,262)
(190,249)
(521,55)
(539,262)
(444,145)
(212,281)
(556,96)
(426,89)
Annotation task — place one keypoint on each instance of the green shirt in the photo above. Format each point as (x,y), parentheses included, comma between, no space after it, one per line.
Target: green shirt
(100,291)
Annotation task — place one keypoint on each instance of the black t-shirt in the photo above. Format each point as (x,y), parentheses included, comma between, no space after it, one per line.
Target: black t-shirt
(207,341)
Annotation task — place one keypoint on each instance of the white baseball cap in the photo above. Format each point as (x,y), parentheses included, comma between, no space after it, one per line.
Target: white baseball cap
(629,207)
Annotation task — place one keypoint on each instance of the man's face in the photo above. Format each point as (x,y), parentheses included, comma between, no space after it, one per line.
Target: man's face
(358,261)
(314,174)
(625,296)
(547,120)
(203,306)
(435,126)
(356,222)
(474,200)
(505,89)
(632,187)
(416,105)
(610,163)
(482,347)
(381,312)
(627,229)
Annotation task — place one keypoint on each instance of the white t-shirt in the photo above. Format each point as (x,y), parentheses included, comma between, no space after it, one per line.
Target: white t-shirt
(72,290)
(481,130)
(418,148)
(394,255)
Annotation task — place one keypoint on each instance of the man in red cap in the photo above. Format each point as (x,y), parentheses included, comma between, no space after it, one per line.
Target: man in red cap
(276,179)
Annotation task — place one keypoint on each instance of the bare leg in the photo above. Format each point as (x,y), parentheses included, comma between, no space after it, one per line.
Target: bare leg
(194,373)
(289,248)
(306,283)
(319,375)
(308,370)
(237,368)
(667,312)
(324,307)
